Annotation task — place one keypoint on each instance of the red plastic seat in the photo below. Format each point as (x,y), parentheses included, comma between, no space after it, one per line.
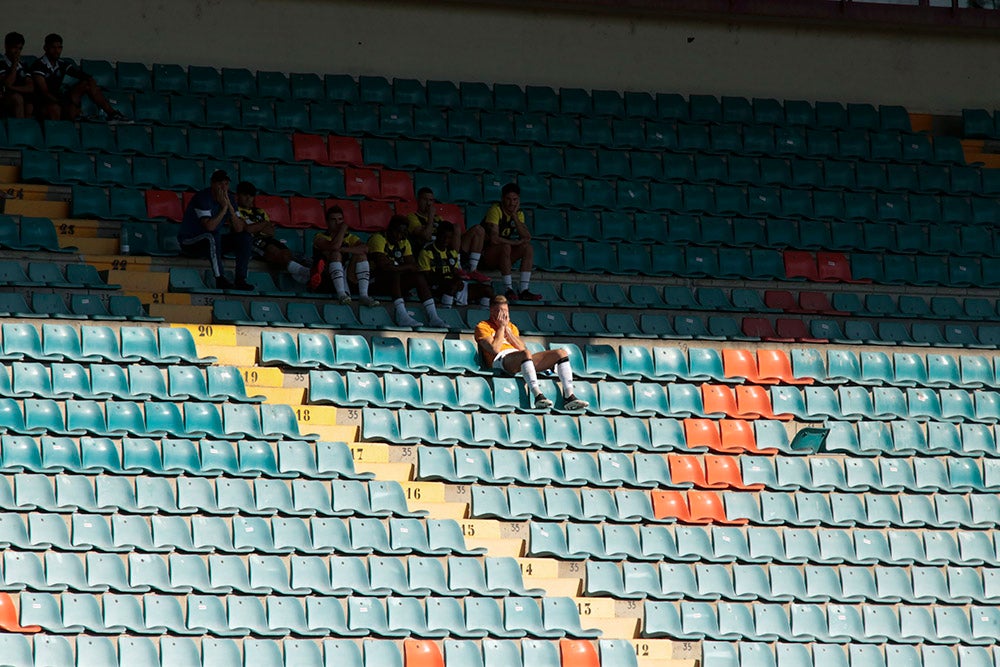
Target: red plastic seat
(816,302)
(774,367)
(800,264)
(670,504)
(718,400)
(686,470)
(758,327)
(452,213)
(739,364)
(361,183)
(723,472)
(410,206)
(421,653)
(344,151)
(275,207)
(306,212)
(753,402)
(834,267)
(310,148)
(788,329)
(395,185)
(9,621)
(576,653)
(375,215)
(164,204)
(782,300)
(186,198)
(707,507)
(702,433)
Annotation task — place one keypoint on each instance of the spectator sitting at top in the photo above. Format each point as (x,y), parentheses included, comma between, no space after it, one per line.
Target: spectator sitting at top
(55,99)
(201,234)
(438,261)
(16,86)
(265,246)
(424,226)
(335,249)
(503,350)
(501,239)
(396,267)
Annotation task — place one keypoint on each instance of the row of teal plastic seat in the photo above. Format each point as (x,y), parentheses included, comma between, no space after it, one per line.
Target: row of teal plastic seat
(241,616)
(787,583)
(93,344)
(134,382)
(177,574)
(234,421)
(763,545)
(902,510)
(906,438)
(855,403)
(808,623)
(729,654)
(63,493)
(48,274)
(557,504)
(169,651)
(164,533)
(523,431)
(120,307)
(921,475)
(170,457)
(35,234)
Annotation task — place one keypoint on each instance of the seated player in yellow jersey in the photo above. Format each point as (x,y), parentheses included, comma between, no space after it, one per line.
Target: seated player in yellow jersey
(500,240)
(330,250)
(502,349)
(396,273)
(438,262)
(265,246)
(424,225)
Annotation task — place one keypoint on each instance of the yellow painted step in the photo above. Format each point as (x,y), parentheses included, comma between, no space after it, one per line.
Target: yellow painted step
(312,416)
(9,173)
(228,355)
(480,528)
(543,568)
(262,376)
(555,587)
(668,662)
(596,607)
(89,246)
(454,511)
(653,649)
(217,334)
(147,281)
(333,433)
(428,492)
(74,228)
(500,548)
(170,298)
(627,628)
(398,472)
(291,395)
(366,452)
(37,208)
(171,312)
(120,262)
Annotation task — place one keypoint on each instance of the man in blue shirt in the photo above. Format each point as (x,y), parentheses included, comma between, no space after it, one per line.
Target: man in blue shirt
(201,234)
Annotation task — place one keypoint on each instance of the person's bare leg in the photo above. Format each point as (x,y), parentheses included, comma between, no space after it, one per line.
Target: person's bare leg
(520,362)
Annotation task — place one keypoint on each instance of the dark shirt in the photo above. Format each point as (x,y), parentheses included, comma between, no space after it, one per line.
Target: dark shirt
(203,205)
(54,73)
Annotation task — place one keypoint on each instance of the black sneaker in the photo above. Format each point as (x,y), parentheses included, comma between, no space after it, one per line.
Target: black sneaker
(511,295)
(542,403)
(525,295)
(223,283)
(243,286)
(573,403)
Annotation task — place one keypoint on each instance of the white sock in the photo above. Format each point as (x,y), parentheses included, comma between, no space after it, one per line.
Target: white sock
(447,300)
(462,297)
(336,271)
(298,272)
(362,271)
(508,282)
(431,310)
(565,374)
(530,376)
(474,260)
(400,306)
(525,280)
(485,302)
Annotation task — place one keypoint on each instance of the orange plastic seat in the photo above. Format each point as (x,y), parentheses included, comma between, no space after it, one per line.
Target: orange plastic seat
(9,618)
(702,433)
(344,151)
(375,215)
(719,400)
(276,208)
(707,507)
(686,470)
(306,212)
(350,209)
(723,472)
(395,185)
(421,653)
(576,653)
(753,402)
(163,204)
(671,505)
(775,367)
(740,364)
(800,264)
(310,148)
(736,436)
(361,183)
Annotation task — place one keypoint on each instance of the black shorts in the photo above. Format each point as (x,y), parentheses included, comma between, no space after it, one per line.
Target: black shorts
(261,244)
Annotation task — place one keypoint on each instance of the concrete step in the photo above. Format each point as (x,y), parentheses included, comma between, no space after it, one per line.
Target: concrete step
(172,312)
(147,281)
(89,246)
(169,298)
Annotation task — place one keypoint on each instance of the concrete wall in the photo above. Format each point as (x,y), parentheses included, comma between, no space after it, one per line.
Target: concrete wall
(925,72)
